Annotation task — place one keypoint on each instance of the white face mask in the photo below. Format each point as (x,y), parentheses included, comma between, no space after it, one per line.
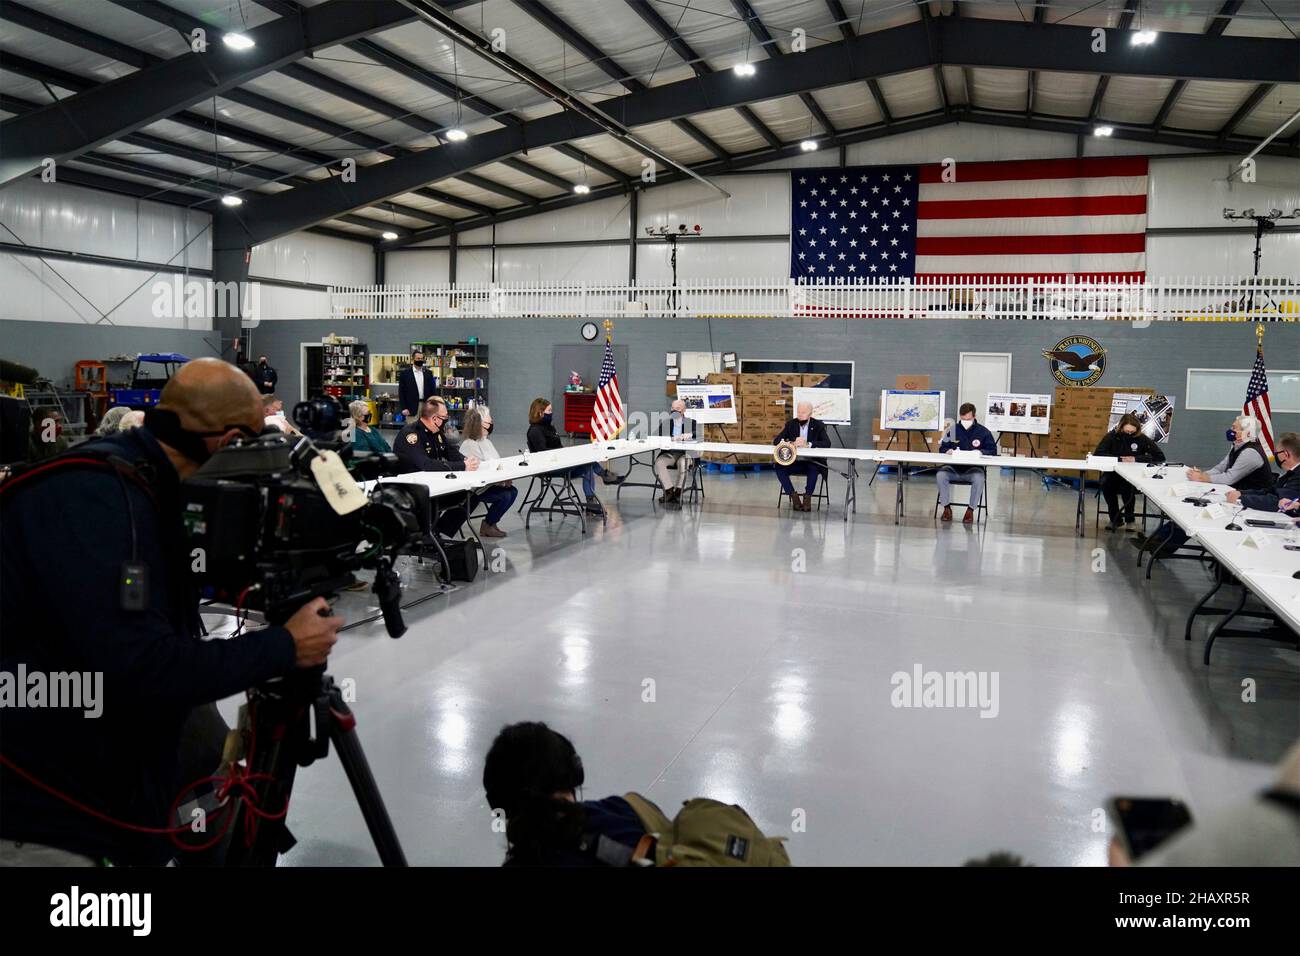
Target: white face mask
(967,422)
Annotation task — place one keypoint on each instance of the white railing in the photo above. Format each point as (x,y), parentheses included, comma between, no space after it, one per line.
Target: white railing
(1177,300)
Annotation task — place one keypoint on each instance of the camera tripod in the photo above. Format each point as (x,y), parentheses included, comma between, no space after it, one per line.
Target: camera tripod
(284,739)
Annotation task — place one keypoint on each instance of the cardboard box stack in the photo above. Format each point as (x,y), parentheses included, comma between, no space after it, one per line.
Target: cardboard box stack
(1079,420)
(763,405)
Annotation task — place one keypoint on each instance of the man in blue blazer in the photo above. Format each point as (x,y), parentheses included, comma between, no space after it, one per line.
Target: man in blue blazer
(414,385)
(966,435)
(803,431)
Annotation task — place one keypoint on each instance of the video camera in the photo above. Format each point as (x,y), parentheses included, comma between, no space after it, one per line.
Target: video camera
(271,541)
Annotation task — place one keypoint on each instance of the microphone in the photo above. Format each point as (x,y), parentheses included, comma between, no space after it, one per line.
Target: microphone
(521,455)
(1232,524)
(1160,468)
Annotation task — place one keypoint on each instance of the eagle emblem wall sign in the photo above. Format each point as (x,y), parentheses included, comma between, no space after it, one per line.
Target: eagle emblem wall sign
(1077,360)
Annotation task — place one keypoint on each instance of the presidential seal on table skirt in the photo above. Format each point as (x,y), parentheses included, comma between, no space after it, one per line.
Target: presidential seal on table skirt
(784,453)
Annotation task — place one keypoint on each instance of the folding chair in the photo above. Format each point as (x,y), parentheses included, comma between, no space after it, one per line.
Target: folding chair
(823,492)
(981,511)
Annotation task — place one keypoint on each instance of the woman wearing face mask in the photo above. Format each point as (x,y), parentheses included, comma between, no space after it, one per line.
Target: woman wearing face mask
(542,436)
(500,496)
(365,438)
(1127,443)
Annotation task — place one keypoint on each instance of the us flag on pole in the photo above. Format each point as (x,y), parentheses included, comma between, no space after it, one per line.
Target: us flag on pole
(1047,219)
(607,415)
(1257,401)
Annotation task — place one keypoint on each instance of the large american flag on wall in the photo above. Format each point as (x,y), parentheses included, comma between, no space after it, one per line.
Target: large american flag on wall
(1048,218)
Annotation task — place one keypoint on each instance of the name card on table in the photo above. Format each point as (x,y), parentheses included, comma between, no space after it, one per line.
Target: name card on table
(959,455)
(1186,489)
(1258,540)
(1104,461)
(1212,511)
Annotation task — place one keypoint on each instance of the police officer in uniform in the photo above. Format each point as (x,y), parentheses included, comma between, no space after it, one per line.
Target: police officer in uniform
(421,446)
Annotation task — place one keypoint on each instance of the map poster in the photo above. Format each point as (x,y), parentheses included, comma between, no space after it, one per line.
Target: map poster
(1155,412)
(1018,413)
(709,404)
(911,410)
(829,405)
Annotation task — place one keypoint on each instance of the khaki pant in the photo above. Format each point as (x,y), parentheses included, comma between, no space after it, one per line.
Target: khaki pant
(673,469)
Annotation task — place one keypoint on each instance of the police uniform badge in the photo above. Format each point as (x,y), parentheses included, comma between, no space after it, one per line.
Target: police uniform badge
(411,438)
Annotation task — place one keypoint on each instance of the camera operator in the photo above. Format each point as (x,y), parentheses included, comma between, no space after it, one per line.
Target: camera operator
(67,540)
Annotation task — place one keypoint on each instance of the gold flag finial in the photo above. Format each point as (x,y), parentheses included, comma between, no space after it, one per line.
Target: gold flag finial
(1259,334)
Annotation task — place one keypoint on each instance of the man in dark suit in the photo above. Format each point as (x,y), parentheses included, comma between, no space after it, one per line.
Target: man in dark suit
(421,446)
(805,432)
(265,376)
(414,385)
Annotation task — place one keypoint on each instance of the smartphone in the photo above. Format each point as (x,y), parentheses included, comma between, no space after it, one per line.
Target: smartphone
(1143,823)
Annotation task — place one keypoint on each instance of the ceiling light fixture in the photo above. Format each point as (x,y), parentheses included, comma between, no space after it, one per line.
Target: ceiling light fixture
(744,69)
(231,201)
(581,189)
(237,41)
(1103,130)
(1144,38)
(808,145)
(457,135)
(390,235)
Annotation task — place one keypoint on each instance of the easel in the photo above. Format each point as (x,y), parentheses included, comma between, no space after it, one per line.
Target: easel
(1015,448)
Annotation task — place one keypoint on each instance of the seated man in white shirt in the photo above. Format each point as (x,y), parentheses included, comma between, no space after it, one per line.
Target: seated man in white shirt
(674,467)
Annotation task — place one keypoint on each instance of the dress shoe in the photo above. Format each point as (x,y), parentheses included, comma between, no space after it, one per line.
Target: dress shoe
(969,516)
(486,530)
(947,514)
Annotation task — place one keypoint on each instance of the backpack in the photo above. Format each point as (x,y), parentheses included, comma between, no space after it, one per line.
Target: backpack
(708,833)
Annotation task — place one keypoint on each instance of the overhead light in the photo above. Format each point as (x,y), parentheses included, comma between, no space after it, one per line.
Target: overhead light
(808,145)
(457,135)
(390,235)
(1103,130)
(1144,38)
(237,41)
(231,201)
(581,189)
(744,69)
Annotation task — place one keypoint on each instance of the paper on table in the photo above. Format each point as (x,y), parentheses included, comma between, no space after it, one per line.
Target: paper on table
(960,455)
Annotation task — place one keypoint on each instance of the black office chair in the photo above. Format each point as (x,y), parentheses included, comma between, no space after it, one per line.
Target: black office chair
(981,510)
(823,492)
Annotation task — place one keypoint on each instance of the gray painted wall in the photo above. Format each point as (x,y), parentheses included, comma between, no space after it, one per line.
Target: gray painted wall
(1157,356)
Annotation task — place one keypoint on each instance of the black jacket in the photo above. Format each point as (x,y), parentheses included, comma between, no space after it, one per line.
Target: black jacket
(407,396)
(817,436)
(420,449)
(1287,485)
(1114,444)
(542,436)
(265,376)
(63,540)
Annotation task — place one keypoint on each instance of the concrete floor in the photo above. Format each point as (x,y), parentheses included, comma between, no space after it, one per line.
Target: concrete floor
(773,685)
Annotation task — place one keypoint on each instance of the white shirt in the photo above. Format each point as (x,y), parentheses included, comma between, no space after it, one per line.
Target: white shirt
(419,381)
(803,429)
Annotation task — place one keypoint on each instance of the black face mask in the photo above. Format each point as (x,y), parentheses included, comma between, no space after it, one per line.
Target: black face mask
(419,364)
(165,425)
(262,363)
(366,418)
(546,419)
(488,428)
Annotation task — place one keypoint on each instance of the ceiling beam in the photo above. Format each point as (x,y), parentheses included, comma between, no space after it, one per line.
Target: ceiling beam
(774,52)
(1002,44)
(696,62)
(606,64)
(873,86)
(1257,96)
(114,109)
(1099,94)
(1217,25)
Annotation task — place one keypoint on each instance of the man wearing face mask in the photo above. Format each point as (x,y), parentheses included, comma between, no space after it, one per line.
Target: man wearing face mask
(967,435)
(156,730)
(674,467)
(266,377)
(1127,443)
(414,385)
(422,446)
